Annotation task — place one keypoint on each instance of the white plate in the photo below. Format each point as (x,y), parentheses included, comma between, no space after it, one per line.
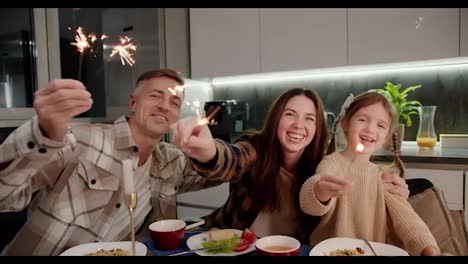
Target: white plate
(196,241)
(326,246)
(84,249)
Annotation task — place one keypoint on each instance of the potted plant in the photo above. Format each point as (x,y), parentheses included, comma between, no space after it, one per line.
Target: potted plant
(404,108)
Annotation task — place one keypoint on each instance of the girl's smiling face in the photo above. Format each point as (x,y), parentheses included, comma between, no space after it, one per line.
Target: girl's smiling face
(369,126)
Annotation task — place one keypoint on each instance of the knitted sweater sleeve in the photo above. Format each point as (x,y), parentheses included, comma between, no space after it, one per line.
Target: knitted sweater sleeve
(307,197)
(408,226)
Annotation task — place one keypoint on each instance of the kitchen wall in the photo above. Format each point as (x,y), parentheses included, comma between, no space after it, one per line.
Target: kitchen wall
(263,40)
(444,84)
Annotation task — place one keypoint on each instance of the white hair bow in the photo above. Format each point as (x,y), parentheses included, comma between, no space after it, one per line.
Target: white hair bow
(349,100)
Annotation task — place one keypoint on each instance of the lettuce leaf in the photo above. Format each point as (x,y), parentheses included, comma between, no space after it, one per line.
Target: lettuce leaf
(225,246)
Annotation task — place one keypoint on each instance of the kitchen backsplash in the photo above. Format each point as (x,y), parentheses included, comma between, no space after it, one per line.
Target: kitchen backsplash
(444,84)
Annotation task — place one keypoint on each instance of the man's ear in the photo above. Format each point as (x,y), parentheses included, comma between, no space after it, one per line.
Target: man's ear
(132,103)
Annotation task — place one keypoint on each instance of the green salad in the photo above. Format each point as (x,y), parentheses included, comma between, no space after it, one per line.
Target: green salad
(222,246)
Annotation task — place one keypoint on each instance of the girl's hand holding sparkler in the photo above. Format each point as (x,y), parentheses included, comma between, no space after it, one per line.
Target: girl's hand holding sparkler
(329,186)
(194,138)
(58,103)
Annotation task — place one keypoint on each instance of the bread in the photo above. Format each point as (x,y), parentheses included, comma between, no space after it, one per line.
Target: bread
(221,234)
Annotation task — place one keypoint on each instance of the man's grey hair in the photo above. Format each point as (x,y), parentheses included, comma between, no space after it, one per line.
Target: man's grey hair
(169,73)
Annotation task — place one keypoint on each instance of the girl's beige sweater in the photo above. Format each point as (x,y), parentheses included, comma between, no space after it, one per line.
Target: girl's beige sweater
(367,211)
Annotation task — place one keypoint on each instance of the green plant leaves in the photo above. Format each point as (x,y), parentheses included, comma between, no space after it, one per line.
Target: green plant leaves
(405,109)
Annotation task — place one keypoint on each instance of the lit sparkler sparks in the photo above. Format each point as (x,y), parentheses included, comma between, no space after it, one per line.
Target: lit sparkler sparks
(177,89)
(124,49)
(81,40)
(82,44)
(359,147)
(195,107)
(208,119)
(92,37)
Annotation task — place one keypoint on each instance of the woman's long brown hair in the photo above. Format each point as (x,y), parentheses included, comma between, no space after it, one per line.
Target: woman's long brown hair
(270,154)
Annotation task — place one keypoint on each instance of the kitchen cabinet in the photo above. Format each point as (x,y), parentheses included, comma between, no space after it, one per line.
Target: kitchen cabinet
(224,41)
(463,32)
(302,38)
(451,182)
(233,41)
(384,35)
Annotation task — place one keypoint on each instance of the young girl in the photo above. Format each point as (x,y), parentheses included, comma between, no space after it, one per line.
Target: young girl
(347,190)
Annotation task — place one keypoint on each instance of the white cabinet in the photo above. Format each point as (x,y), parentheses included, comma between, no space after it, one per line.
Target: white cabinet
(230,41)
(451,182)
(463,32)
(385,35)
(224,41)
(302,38)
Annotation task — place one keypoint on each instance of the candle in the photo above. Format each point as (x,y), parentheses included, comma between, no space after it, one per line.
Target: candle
(127,167)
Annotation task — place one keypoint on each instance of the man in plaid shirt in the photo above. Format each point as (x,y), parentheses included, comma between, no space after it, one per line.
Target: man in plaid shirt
(77,172)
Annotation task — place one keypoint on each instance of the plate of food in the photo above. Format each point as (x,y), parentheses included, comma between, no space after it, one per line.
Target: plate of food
(223,242)
(343,246)
(122,248)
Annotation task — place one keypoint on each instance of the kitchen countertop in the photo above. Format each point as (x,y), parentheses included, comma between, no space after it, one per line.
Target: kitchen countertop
(411,153)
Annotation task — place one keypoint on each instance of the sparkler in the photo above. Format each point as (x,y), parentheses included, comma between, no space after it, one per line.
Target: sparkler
(124,49)
(177,89)
(82,44)
(195,107)
(207,120)
(359,149)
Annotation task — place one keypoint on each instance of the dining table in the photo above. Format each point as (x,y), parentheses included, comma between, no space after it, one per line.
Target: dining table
(154,251)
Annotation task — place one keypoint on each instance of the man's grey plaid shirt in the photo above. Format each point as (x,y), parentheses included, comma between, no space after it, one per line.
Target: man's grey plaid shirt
(79,186)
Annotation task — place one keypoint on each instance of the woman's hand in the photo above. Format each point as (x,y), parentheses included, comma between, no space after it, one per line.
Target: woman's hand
(194,139)
(327,187)
(394,184)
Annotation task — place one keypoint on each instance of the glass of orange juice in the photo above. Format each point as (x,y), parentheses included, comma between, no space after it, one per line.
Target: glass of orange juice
(426,137)
(426,142)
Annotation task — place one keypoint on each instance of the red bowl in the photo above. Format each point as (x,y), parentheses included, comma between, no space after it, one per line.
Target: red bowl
(167,234)
(277,246)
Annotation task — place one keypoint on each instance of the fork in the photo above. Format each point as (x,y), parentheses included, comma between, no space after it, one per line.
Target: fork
(195,250)
(370,246)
